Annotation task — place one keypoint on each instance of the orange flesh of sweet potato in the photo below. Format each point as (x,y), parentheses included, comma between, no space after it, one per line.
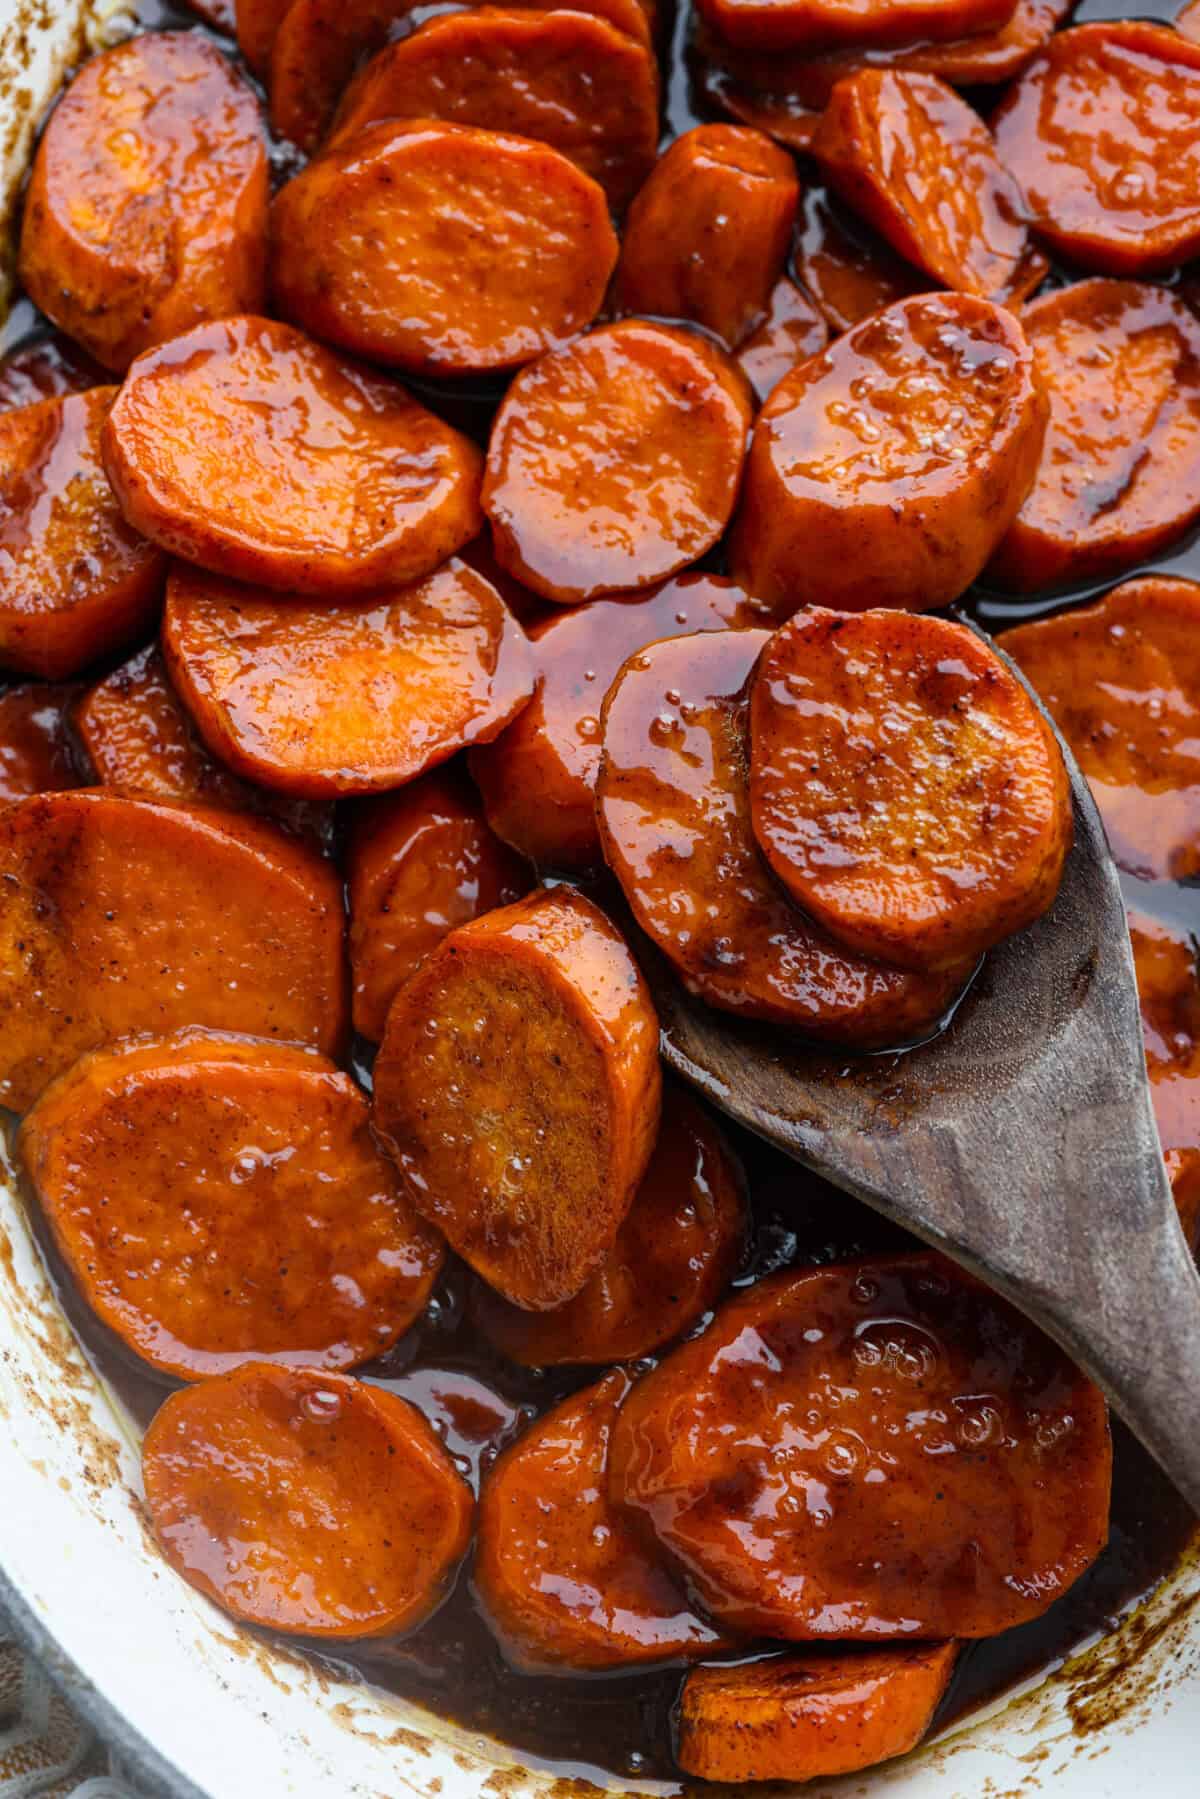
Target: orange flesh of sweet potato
(1169,991)
(793,330)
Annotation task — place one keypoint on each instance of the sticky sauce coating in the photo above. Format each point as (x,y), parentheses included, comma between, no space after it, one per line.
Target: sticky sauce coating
(36,751)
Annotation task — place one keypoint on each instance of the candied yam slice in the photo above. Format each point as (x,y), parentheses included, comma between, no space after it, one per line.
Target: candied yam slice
(257,23)
(43,366)
(671,1261)
(441,249)
(793,330)
(849,272)
(538,778)
(306,1501)
(1165,961)
(819,24)
(787,121)
(1103,134)
(221,1199)
(884,471)
(566,78)
(318,700)
(258,454)
(418,864)
(563,1581)
(962,1440)
(518,1088)
(920,165)
(674,816)
(147,208)
(37,753)
(810,1717)
(615,462)
(1121,679)
(1119,474)
(904,786)
(76,582)
(678,257)
(120,915)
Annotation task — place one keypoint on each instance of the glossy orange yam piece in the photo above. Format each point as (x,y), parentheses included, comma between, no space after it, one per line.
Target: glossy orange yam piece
(920,165)
(147,208)
(136,735)
(1103,134)
(37,754)
(810,1717)
(43,367)
(418,864)
(678,257)
(904,787)
(317,700)
(885,471)
(518,1088)
(378,246)
(1187,21)
(962,1439)
(568,79)
(257,23)
(1121,679)
(672,1259)
(793,330)
(306,1501)
(820,24)
(563,1581)
(848,271)
(615,462)
(720,90)
(121,915)
(249,449)
(1164,958)
(221,1199)
(538,778)
(76,582)
(1119,475)
(674,814)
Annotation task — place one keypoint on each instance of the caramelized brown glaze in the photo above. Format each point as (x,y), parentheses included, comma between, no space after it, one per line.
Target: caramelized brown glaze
(615,462)
(37,754)
(75,581)
(885,471)
(306,1501)
(676,1252)
(147,208)
(793,330)
(674,815)
(247,448)
(518,1088)
(849,272)
(1169,990)
(256,23)
(44,366)
(820,24)
(538,778)
(419,863)
(319,700)
(563,1580)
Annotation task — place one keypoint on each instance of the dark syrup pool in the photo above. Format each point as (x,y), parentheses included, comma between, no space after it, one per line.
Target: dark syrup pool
(620,1726)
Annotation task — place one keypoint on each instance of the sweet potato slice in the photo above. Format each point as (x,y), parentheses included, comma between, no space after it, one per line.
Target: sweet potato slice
(1103,134)
(904,787)
(849,272)
(615,462)
(671,1260)
(567,79)
(147,207)
(44,366)
(885,471)
(306,1501)
(76,582)
(441,249)
(793,330)
(419,863)
(37,754)
(137,736)
(120,915)
(809,1717)
(318,700)
(1119,475)
(719,90)
(920,165)
(674,816)
(1165,959)
(820,24)
(538,778)
(679,259)
(1187,21)
(221,1199)
(1121,680)
(564,1583)
(959,1488)
(247,448)
(258,22)
(518,1089)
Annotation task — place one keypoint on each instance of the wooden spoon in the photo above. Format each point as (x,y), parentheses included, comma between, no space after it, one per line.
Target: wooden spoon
(1021,1141)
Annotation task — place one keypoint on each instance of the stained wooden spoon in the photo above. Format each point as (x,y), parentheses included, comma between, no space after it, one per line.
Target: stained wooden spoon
(1021,1141)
